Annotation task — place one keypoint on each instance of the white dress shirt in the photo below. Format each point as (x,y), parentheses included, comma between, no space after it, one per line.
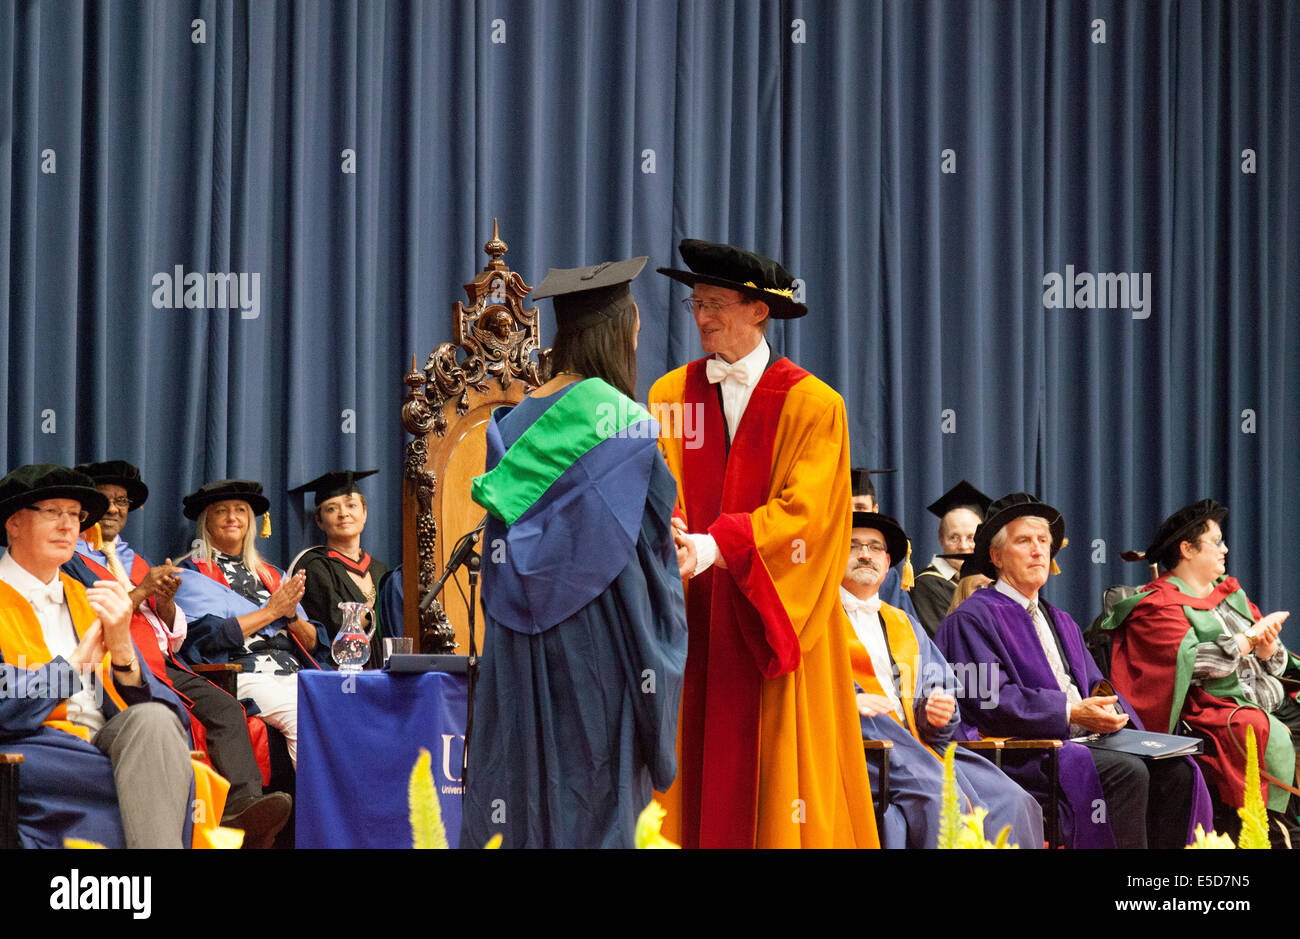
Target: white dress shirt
(735,398)
(865,617)
(51,609)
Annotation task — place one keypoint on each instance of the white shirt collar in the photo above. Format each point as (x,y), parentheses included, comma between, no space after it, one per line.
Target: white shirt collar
(1007,590)
(943,567)
(18,577)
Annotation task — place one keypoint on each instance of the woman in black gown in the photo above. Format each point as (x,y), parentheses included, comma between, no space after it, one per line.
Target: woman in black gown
(340,571)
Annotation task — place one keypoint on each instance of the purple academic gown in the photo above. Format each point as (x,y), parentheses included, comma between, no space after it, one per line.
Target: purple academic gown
(994,633)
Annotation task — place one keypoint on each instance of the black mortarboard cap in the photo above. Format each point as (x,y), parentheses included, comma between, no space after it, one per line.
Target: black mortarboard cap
(585,294)
(860,480)
(336,483)
(961,496)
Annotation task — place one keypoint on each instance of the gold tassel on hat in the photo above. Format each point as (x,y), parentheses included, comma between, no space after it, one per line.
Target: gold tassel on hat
(94,537)
(1056,569)
(908,579)
(266,525)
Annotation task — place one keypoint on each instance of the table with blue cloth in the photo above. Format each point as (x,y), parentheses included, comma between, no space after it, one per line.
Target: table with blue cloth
(359,735)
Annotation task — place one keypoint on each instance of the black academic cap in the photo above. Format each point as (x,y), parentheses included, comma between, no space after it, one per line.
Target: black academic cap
(860,480)
(1177,527)
(118,473)
(336,483)
(742,271)
(1000,514)
(583,294)
(895,537)
(961,496)
(37,482)
(222,490)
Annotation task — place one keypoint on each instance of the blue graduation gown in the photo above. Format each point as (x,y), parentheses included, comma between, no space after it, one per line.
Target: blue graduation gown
(575,715)
(66,786)
(916,777)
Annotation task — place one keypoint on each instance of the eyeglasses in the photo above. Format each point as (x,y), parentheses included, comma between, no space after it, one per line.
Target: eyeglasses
(871,547)
(693,306)
(122,502)
(57,515)
(1214,544)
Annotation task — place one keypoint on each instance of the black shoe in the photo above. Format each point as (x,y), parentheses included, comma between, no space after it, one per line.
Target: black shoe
(260,817)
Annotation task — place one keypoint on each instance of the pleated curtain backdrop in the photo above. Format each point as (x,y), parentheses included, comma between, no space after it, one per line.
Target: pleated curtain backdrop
(1046,246)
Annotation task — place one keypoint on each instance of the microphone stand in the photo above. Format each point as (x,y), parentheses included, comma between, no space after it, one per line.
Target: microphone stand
(471,675)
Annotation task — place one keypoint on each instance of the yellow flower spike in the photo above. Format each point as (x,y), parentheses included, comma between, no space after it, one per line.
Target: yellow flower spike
(1211,841)
(649,825)
(963,831)
(1254,817)
(426,813)
(949,818)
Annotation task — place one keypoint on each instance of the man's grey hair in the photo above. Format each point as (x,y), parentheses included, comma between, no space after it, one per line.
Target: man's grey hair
(1001,537)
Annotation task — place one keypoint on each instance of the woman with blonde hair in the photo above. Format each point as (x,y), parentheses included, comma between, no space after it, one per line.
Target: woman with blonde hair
(244,610)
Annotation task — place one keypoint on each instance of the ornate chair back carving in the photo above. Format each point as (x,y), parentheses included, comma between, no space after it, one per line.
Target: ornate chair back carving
(447,410)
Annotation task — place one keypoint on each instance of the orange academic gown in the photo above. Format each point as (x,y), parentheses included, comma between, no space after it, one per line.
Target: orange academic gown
(769,743)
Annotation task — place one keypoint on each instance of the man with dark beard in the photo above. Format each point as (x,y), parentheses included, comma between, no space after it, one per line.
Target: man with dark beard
(904,697)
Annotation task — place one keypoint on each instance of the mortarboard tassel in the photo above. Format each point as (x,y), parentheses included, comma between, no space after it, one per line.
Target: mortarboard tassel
(908,580)
(266,525)
(1056,568)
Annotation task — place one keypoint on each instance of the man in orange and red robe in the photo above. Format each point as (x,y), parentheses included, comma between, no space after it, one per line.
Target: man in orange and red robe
(770,752)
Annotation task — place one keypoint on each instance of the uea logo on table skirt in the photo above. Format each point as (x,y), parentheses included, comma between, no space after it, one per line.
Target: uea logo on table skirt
(453,755)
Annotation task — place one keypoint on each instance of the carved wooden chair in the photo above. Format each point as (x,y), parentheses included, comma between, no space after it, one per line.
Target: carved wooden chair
(447,410)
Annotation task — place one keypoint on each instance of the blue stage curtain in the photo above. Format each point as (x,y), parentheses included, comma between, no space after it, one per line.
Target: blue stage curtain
(921,166)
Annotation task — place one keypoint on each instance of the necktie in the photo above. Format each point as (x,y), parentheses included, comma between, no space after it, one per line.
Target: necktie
(115,566)
(717,370)
(1032,609)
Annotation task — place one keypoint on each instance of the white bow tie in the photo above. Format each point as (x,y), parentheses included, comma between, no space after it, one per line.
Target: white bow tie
(717,370)
(869,606)
(43,598)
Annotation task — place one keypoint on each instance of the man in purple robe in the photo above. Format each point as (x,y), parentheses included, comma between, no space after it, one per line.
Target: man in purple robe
(1043,683)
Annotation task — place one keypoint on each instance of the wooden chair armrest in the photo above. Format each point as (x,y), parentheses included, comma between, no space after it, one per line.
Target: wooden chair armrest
(216,667)
(981,744)
(8,759)
(1033,744)
(877,745)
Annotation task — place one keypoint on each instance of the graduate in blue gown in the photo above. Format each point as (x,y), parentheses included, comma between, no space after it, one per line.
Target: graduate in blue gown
(575,717)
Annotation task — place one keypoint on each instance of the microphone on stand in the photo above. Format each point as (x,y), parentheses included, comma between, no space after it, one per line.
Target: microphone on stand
(463,551)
